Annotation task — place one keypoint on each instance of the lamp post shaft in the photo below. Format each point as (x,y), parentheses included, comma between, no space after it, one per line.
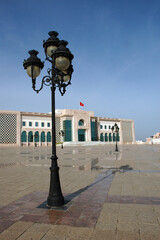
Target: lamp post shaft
(116,143)
(55,197)
(53,89)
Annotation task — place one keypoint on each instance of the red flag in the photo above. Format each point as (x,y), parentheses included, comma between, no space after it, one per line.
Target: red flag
(81,104)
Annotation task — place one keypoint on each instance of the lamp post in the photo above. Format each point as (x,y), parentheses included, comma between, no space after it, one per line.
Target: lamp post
(61,133)
(116,129)
(59,76)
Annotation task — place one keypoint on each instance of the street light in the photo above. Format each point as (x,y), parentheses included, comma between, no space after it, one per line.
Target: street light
(59,75)
(115,128)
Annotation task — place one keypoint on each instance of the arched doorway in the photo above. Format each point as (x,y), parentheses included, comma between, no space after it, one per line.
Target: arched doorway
(101,137)
(23,137)
(48,136)
(42,136)
(118,137)
(114,137)
(30,136)
(106,137)
(36,136)
(110,137)
(81,135)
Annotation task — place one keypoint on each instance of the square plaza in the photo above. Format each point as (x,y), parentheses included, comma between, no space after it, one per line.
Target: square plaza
(109,195)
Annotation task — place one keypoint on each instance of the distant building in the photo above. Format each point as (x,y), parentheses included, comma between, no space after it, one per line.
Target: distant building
(31,128)
(154,139)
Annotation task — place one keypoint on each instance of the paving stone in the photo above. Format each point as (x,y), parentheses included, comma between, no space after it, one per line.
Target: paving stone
(149,236)
(39,227)
(80,233)
(122,235)
(146,219)
(10,235)
(105,235)
(130,226)
(20,226)
(150,228)
(31,236)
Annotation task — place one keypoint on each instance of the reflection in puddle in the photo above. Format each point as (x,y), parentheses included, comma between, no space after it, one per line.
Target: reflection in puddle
(80,159)
(67,153)
(110,152)
(89,165)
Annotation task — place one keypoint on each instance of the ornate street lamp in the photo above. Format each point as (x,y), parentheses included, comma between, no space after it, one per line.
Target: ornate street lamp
(59,76)
(115,128)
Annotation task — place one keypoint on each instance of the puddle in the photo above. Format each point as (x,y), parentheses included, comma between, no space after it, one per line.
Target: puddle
(81,159)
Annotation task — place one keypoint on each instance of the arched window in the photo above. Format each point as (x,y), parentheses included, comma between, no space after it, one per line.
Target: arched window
(101,137)
(30,136)
(48,136)
(36,136)
(81,122)
(42,136)
(24,136)
(106,137)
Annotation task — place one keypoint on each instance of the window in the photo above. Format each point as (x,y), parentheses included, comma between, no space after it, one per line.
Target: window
(109,127)
(42,124)
(105,127)
(30,124)
(24,124)
(48,124)
(36,124)
(81,122)
(101,127)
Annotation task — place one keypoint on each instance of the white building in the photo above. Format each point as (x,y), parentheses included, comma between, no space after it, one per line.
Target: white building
(29,128)
(155,139)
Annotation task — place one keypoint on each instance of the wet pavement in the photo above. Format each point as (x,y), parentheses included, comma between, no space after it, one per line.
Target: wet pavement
(109,195)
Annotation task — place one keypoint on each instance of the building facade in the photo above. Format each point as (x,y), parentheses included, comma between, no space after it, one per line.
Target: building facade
(30,129)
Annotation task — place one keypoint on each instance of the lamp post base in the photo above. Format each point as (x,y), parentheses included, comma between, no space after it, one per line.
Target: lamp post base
(55,201)
(55,197)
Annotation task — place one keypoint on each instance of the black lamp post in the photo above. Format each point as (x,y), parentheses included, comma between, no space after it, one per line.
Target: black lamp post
(61,133)
(59,75)
(115,128)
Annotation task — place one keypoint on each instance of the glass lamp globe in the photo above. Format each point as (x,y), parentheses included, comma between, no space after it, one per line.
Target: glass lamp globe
(65,78)
(36,71)
(51,49)
(62,63)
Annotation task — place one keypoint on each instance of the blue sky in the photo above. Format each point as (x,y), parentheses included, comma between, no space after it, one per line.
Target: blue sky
(116,47)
